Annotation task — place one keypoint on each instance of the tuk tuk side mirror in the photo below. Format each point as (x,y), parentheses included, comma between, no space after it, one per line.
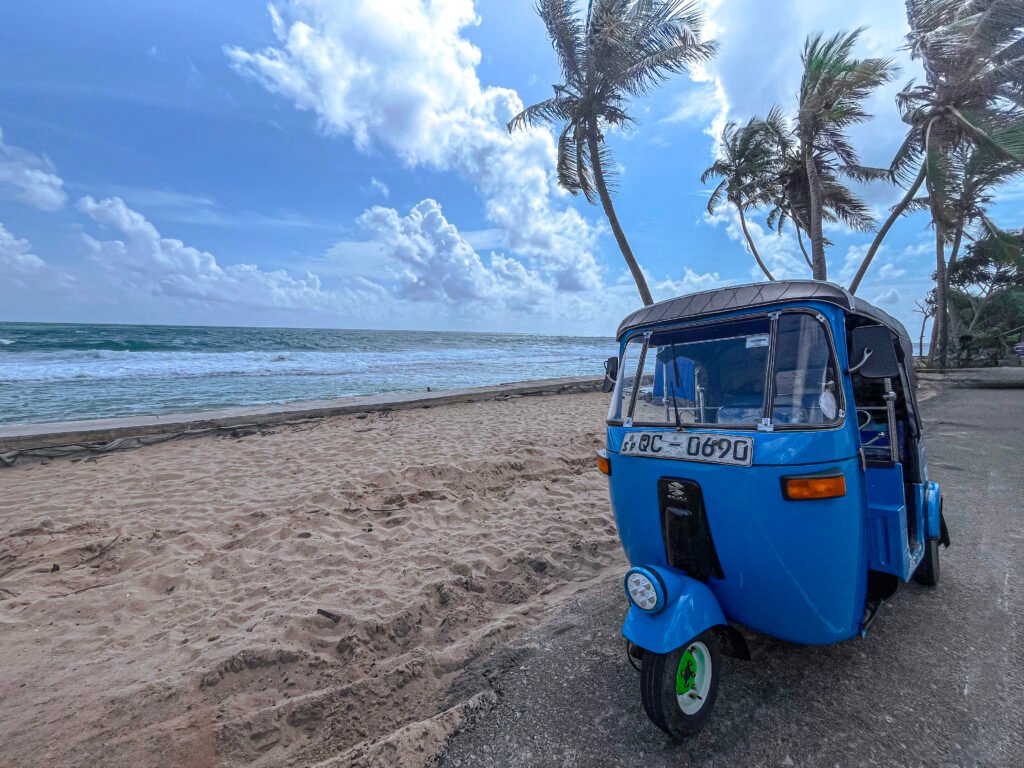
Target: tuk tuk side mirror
(872,353)
(611,373)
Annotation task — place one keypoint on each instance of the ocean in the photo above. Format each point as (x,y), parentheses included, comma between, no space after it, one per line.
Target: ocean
(51,372)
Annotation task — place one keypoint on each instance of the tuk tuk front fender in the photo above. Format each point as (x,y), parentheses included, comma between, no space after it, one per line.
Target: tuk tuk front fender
(690,608)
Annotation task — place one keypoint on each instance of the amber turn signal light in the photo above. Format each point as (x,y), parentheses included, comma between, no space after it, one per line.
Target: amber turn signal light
(603,463)
(806,488)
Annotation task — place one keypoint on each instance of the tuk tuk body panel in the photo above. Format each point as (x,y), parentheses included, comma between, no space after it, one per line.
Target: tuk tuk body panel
(792,569)
(889,545)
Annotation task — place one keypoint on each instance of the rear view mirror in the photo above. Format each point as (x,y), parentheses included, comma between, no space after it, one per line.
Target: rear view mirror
(872,353)
(611,373)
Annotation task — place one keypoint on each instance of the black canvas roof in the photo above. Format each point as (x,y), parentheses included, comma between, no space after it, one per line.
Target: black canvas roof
(755,295)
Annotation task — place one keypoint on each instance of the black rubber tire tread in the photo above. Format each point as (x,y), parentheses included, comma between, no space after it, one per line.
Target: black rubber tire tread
(928,571)
(658,689)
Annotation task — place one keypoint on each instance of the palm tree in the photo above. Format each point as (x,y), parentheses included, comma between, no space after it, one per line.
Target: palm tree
(747,166)
(973,175)
(790,189)
(624,50)
(833,90)
(838,202)
(973,56)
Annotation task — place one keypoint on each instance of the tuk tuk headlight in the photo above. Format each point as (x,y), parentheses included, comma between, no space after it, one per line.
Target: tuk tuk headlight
(645,589)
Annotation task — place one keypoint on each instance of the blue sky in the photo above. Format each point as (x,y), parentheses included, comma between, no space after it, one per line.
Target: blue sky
(343,163)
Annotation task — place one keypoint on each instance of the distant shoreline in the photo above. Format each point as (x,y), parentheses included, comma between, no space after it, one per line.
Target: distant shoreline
(66,372)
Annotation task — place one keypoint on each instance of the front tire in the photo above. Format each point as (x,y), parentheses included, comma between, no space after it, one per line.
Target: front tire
(679,689)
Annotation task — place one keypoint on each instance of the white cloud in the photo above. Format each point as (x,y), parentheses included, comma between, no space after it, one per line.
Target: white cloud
(400,75)
(691,282)
(854,258)
(418,258)
(891,296)
(759,59)
(30,178)
(435,263)
(379,187)
(16,255)
(23,273)
(486,238)
(159,266)
(203,209)
(924,248)
(891,272)
(780,253)
(700,104)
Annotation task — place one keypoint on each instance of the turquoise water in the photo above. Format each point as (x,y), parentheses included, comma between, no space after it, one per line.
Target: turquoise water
(52,372)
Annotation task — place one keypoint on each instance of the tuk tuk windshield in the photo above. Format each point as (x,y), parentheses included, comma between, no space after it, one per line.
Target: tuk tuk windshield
(718,374)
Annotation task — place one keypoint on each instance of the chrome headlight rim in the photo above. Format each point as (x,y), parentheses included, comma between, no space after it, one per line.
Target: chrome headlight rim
(657,585)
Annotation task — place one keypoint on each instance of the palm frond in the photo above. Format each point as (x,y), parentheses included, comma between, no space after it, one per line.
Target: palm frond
(566,33)
(548,111)
(1003,137)
(716,195)
(584,162)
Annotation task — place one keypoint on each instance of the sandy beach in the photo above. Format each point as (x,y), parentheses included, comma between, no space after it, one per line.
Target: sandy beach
(158,607)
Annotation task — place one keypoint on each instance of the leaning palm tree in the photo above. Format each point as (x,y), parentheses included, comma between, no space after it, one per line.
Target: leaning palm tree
(747,166)
(972,52)
(790,189)
(833,90)
(624,50)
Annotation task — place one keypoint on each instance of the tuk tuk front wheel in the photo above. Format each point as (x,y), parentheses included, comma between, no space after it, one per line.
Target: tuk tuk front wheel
(678,689)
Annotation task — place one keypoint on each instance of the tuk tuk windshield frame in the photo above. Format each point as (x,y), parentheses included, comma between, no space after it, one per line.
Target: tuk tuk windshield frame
(747,372)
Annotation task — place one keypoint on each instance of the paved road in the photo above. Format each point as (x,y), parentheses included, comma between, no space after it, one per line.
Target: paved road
(938,682)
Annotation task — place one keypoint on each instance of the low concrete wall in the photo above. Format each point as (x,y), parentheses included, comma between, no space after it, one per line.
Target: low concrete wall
(103,435)
(976,378)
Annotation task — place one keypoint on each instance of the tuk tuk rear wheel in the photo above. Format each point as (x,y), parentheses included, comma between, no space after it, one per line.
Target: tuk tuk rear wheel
(927,572)
(678,689)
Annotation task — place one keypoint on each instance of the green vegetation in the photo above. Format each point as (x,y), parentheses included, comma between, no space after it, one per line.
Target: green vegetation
(986,296)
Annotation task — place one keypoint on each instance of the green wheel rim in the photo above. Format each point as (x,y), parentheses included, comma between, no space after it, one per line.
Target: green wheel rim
(686,673)
(693,678)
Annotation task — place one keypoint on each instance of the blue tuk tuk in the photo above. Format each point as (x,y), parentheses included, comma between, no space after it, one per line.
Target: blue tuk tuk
(767,470)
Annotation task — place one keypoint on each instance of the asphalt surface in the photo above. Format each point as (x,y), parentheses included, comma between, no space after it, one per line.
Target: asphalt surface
(939,681)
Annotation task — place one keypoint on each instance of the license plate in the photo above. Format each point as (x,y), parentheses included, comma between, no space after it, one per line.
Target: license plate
(711,449)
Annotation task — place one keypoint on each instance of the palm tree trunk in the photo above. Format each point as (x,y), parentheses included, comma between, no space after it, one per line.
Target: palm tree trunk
(800,241)
(750,242)
(941,318)
(895,214)
(609,211)
(943,285)
(819,267)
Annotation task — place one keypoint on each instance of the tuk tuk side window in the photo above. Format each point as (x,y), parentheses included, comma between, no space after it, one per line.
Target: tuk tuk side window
(805,386)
